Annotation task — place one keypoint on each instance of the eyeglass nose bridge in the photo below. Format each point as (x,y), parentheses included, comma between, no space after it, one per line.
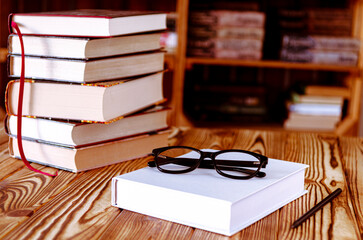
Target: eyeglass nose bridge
(207,155)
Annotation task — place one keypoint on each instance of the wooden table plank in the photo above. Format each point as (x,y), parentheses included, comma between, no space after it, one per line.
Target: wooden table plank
(325,174)
(81,211)
(25,192)
(78,206)
(131,225)
(352,152)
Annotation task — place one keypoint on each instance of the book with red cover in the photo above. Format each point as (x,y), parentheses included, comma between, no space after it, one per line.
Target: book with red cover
(89,22)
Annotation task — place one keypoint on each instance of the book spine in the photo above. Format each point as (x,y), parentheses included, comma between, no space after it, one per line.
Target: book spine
(316,109)
(240,18)
(239,54)
(226,32)
(249,19)
(321,43)
(237,44)
(338,58)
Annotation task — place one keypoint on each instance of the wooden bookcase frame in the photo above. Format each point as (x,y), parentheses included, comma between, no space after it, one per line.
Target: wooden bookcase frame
(348,126)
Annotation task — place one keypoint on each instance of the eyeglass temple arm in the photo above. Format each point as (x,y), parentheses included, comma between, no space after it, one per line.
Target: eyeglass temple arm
(209,165)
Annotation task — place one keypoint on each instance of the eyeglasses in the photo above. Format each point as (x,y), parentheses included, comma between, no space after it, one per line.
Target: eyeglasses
(233,163)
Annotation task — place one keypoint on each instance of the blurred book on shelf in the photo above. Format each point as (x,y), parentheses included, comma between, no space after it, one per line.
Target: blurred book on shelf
(226,34)
(314,112)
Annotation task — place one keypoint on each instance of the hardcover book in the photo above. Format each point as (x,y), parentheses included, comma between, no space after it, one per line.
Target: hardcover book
(85,71)
(89,22)
(73,133)
(204,199)
(98,102)
(311,122)
(83,48)
(341,58)
(248,19)
(92,156)
(321,43)
(323,109)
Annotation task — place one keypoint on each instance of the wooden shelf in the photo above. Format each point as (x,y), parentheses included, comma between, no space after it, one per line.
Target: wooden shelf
(351,77)
(170,61)
(3,54)
(190,61)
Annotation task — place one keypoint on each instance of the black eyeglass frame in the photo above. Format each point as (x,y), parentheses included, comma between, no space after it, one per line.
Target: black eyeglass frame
(212,155)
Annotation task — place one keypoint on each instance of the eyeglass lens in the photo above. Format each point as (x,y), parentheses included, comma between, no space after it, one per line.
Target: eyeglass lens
(172,159)
(230,163)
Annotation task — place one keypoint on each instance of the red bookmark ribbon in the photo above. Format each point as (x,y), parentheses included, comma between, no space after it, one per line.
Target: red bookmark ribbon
(20,105)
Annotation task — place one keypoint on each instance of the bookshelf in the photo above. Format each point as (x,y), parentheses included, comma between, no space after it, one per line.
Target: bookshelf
(349,85)
(180,65)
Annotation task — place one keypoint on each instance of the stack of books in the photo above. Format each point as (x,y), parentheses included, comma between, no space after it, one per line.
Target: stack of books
(314,112)
(92,89)
(226,34)
(321,36)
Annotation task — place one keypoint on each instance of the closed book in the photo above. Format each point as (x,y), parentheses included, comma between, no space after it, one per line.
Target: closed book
(72,133)
(339,100)
(226,32)
(227,44)
(85,71)
(341,58)
(321,42)
(296,117)
(89,22)
(99,102)
(92,156)
(206,200)
(248,19)
(323,109)
(83,48)
(251,19)
(311,122)
(246,54)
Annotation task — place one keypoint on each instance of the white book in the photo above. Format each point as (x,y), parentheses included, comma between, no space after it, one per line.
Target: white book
(82,47)
(87,71)
(316,109)
(89,22)
(72,133)
(206,200)
(99,102)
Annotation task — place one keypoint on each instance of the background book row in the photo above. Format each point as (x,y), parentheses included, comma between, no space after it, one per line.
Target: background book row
(208,28)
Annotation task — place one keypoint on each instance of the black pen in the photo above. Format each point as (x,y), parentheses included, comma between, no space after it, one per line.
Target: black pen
(312,211)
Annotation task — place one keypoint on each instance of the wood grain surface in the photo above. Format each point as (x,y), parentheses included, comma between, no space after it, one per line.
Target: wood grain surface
(78,206)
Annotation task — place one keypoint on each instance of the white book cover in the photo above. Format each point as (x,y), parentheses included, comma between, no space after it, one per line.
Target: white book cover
(206,200)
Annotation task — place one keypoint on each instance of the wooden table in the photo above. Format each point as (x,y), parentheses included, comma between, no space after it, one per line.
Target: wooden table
(78,206)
